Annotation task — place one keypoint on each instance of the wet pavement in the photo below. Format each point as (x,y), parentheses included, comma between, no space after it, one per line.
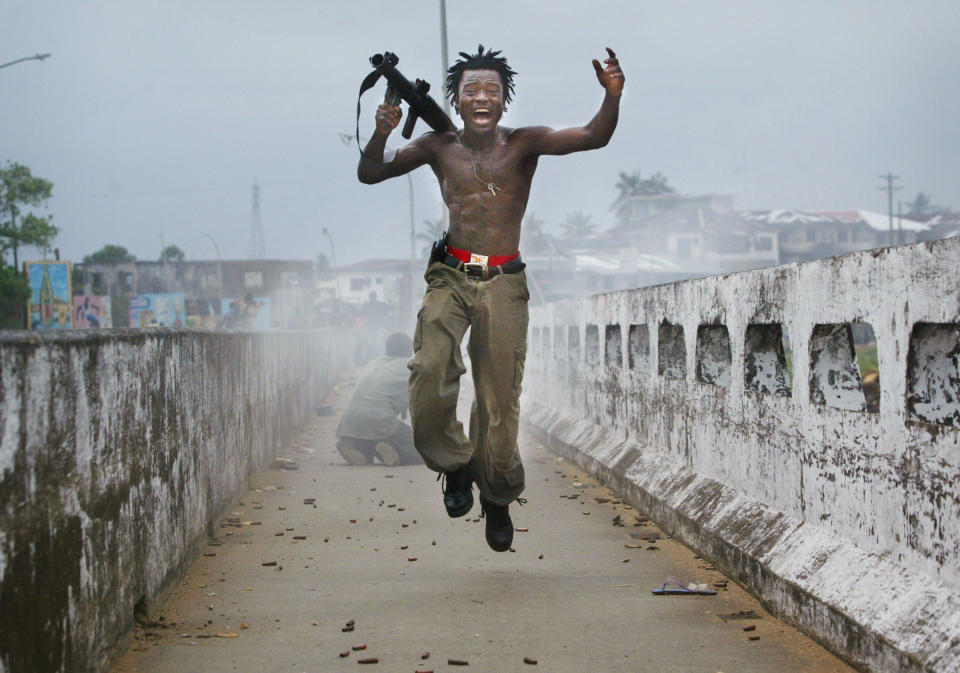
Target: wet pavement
(327,567)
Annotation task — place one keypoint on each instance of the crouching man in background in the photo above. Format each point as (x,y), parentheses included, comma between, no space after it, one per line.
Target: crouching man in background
(370,427)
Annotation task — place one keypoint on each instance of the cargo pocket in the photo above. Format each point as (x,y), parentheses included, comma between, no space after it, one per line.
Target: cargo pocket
(520,279)
(520,356)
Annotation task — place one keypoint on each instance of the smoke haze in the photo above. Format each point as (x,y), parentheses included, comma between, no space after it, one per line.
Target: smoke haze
(155,118)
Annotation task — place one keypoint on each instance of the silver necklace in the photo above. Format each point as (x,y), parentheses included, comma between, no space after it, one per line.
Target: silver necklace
(489,183)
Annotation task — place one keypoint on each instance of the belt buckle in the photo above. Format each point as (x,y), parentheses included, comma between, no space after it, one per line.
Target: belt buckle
(478,262)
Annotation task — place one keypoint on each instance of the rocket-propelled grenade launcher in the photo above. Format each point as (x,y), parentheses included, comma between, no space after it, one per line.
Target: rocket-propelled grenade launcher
(422,105)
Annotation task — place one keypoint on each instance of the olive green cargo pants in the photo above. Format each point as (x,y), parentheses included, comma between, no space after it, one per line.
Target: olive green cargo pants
(495,310)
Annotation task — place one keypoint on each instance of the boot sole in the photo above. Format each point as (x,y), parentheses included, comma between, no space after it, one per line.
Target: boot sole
(350,453)
(463,510)
(387,454)
(354,457)
(498,548)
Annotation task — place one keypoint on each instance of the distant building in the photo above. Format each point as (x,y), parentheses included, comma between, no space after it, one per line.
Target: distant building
(941,225)
(699,241)
(353,283)
(635,209)
(676,242)
(905,230)
(805,235)
(286,286)
(374,286)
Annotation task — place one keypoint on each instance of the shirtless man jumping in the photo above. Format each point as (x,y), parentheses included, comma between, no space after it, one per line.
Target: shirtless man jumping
(485,172)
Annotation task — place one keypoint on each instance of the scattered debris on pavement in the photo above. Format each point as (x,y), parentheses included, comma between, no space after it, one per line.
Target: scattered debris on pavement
(285,464)
(678,587)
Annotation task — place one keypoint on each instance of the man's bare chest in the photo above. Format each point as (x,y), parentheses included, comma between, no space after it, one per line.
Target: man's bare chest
(500,170)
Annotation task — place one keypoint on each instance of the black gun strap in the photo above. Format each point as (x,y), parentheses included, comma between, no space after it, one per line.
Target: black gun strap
(365,85)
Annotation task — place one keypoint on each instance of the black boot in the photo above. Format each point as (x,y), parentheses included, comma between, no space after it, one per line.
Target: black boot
(458,491)
(499,527)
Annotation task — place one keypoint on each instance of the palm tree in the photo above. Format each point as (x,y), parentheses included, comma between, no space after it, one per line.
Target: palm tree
(632,184)
(629,185)
(657,184)
(532,235)
(578,225)
(432,231)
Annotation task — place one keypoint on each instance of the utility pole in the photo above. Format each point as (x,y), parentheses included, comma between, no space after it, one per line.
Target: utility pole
(257,246)
(443,54)
(890,189)
(333,252)
(900,222)
(219,264)
(443,89)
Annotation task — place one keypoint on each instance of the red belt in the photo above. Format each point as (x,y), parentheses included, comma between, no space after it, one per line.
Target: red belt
(491,260)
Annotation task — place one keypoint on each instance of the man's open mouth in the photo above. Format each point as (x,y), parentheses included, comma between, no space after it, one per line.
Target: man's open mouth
(481,113)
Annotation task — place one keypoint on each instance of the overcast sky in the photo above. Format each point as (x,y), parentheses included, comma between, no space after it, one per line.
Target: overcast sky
(155,118)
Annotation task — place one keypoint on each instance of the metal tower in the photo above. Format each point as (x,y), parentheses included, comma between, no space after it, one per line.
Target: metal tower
(258,249)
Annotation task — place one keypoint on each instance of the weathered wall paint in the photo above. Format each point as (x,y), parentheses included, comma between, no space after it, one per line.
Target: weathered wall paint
(117,452)
(843,521)
(834,374)
(933,379)
(713,355)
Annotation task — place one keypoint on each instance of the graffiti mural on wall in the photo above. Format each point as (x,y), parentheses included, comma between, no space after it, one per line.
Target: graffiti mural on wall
(91,311)
(247,312)
(203,313)
(158,310)
(50,299)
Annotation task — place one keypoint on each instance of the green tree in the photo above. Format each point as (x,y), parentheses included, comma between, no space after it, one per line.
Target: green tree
(922,204)
(20,189)
(14,295)
(172,253)
(110,254)
(577,225)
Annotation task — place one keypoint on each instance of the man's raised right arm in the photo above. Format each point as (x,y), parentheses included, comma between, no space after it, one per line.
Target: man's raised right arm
(372,168)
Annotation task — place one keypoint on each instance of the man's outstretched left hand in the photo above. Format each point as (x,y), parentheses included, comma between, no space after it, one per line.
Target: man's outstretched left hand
(611,77)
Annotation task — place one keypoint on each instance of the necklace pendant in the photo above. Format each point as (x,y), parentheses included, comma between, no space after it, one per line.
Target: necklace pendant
(492,188)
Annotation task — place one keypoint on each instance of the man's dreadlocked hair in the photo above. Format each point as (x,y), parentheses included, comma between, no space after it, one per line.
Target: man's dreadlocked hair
(489,60)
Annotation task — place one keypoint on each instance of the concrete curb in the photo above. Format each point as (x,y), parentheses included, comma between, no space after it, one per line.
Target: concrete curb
(872,612)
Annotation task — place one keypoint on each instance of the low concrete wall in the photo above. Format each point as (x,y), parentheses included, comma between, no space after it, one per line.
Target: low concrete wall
(118,451)
(763,452)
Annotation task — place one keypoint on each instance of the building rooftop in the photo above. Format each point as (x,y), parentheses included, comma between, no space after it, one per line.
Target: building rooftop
(878,221)
(688,219)
(787,216)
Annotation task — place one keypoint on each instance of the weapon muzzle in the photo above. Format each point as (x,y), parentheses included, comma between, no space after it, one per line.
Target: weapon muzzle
(387,57)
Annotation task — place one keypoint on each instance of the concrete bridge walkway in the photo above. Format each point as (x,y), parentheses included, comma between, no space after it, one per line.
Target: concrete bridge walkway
(306,551)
